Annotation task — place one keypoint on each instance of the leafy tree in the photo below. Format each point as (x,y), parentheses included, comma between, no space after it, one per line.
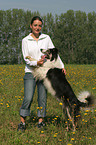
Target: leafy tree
(73,33)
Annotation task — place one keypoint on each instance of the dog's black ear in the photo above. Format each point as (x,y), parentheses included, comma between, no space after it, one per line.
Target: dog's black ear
(54,54)
(56,50)
(41,49)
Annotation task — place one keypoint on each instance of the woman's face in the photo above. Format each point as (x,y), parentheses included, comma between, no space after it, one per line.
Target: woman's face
(36,27)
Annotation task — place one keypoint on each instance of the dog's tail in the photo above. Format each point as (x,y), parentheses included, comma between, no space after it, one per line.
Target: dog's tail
(86,99)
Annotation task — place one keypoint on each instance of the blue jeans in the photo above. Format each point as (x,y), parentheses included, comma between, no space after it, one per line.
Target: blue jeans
(29,89)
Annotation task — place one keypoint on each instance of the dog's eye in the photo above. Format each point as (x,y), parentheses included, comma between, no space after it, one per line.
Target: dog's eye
(43,50)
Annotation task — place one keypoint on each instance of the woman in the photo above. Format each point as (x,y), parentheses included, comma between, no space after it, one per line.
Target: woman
(31,46)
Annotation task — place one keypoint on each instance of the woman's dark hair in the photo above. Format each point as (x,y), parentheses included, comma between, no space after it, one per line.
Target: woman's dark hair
(36,18)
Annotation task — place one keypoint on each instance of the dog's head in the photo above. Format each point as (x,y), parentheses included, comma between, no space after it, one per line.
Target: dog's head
(51,54)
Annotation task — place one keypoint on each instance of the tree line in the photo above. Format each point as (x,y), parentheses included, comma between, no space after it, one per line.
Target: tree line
(73,33)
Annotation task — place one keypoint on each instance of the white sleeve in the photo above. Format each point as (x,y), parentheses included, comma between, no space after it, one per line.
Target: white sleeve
(25,53)
(61,61)
(50,43)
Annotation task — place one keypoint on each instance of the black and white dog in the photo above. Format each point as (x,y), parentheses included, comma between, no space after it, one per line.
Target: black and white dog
(56,83)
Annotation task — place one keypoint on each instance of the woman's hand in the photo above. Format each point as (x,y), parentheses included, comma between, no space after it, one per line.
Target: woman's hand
(64,71)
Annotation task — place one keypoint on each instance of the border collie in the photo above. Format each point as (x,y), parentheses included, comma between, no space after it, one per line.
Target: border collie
(56,83)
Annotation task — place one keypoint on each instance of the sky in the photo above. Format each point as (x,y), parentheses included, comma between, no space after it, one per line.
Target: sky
(50,6)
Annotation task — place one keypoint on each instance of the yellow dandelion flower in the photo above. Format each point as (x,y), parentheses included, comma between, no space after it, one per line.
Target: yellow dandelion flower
(90,138)
(87,110)
(85,113)
(94,88)
(72,139)
(26,141)
(82,119)
(60,140)
(38,142)
(55,135)
(55,118)
(42,131)
(73,132)
(37,107)
(1,103)
(61,104)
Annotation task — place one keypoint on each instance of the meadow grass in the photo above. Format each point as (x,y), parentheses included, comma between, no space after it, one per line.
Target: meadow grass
(81,77)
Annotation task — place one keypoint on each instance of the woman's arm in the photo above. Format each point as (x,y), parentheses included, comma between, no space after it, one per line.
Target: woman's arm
(25,54)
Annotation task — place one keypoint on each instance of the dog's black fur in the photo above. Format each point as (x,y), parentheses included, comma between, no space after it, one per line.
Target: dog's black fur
(56,83)
(65,93)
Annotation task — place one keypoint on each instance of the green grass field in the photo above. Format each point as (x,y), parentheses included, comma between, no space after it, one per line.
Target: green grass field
(81,77)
